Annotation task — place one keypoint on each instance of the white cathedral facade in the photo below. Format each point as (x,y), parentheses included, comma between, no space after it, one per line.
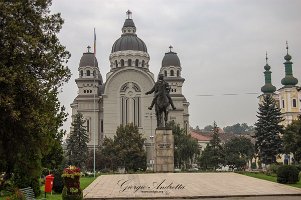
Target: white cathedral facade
(121,98)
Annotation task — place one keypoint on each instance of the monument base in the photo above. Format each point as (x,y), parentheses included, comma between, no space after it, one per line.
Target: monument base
(164,151)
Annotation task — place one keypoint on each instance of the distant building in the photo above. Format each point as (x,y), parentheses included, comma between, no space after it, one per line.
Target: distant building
(288,97)
(202,139)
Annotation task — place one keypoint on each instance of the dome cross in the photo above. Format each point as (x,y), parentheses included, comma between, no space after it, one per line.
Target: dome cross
(129,14)
(286,47)
(266,57)
(88,47)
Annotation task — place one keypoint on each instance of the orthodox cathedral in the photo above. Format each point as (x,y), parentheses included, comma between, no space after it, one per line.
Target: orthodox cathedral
(288,97)
(121,98)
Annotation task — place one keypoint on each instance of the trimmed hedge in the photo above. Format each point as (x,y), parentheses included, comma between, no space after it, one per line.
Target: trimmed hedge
(287,174)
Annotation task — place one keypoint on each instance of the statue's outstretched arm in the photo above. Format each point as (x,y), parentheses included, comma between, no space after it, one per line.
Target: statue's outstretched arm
(151,91)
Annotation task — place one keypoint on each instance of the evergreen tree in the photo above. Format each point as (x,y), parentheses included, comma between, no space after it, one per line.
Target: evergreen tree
(128,145)
(268,142)
(186,148)
(32,70)
(77,149)
(54,158)
(100,163)
(292,139)
(109,154)
(238,151)
(125,150)
(213,154)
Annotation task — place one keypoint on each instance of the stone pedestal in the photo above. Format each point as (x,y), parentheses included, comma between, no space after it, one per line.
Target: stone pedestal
(164,151)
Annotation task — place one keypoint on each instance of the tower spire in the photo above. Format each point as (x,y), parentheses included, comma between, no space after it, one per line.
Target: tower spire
(268,88)
(170,48)
(289,80)
(266,57)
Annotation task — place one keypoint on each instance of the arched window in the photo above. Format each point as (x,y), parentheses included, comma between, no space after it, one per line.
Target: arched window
(136,62)
(165,73)
(94,73)
(172,73)
(81,73)
(122,62)
(129,62)
(142,63)
(116,63)
(84,91)
(88,72)
(178,72)
(130,104)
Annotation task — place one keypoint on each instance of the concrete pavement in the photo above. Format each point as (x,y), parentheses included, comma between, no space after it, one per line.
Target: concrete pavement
(224,186)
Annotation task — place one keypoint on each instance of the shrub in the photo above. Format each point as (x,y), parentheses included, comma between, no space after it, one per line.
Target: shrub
(66,196)
(58,184)
(298,167)
(22,179)
(253,165)
(17,195)
(45,172)
(272,169)
(287,174)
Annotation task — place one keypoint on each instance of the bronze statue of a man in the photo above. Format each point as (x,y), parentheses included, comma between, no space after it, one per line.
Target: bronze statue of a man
(158,85)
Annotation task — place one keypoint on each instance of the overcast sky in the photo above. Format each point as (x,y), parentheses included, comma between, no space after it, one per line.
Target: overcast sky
(221,45)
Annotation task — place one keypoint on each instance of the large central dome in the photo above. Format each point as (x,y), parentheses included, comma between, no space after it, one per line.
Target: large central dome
(129,42)
(129,50)
(129,39)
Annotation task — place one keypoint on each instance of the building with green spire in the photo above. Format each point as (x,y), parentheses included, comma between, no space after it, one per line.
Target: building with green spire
(287,97)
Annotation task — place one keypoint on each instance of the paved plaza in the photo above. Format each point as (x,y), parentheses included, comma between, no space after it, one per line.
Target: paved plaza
(188,186)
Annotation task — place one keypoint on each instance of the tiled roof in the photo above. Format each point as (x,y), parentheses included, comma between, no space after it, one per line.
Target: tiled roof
(200,137)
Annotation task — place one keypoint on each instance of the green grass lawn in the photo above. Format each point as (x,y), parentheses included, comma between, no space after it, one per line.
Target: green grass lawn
(84,182)
(263,176)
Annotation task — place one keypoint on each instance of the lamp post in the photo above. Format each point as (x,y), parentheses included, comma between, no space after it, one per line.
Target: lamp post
(152,142)
(151,137)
